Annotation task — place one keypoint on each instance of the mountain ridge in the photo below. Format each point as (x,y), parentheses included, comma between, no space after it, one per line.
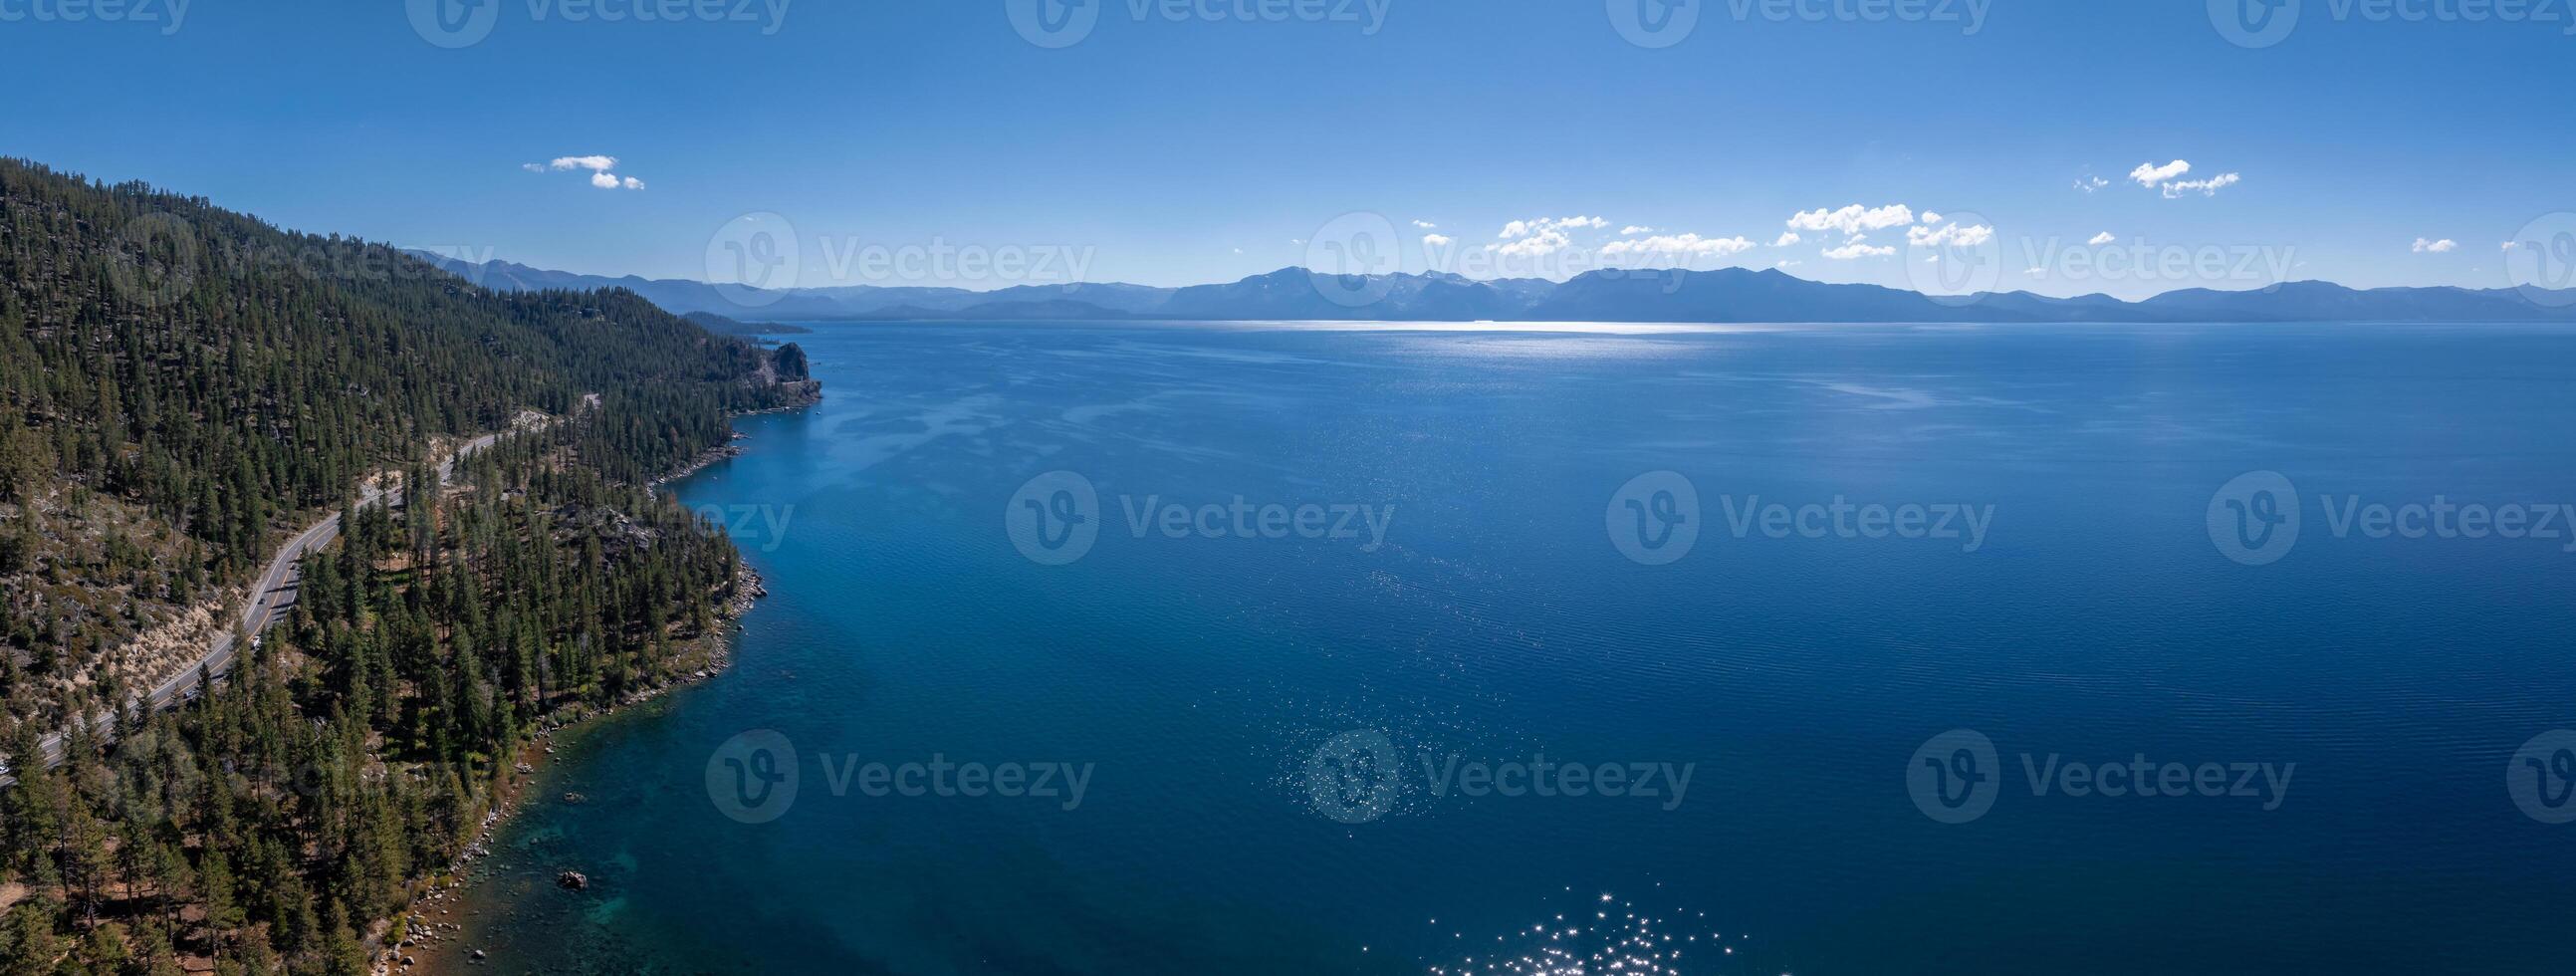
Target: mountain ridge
(1723,295)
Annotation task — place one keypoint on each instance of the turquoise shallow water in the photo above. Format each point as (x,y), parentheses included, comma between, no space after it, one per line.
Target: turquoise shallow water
(1194,678)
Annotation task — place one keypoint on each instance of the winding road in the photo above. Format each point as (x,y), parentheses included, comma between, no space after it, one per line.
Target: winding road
(269,598)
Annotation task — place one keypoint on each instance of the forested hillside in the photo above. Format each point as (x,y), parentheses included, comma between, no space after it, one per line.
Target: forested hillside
(181,388)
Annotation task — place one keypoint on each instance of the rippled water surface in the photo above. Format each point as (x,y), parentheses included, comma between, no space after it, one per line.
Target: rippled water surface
(2384,685)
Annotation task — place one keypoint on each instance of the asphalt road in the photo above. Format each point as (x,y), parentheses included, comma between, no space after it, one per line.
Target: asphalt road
(274,592)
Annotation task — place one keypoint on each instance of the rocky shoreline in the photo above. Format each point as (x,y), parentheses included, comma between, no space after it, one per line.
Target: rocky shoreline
(733,447)
(404,939)
(414,941)
(703,460)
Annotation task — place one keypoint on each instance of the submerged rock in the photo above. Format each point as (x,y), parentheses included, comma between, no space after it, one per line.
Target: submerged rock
(572,881)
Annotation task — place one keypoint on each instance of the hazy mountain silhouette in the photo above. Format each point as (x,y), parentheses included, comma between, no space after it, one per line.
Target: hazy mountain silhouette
(1721,295)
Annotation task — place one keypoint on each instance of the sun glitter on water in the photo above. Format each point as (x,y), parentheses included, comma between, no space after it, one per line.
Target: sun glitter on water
(1598,935)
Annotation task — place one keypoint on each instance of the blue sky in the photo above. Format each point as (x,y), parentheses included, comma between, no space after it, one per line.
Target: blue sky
(1174,145)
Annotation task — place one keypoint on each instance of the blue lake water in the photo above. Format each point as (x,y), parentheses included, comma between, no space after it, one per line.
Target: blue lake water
(1227,699)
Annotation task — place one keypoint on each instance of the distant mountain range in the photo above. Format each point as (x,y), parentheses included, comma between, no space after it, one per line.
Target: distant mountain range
(1722,295)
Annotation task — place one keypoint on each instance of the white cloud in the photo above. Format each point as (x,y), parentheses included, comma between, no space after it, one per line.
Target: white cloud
(2166,177)
(1425,224)
(1949,235)
(1854,219)
(1542,236)
(1537,245)
(1855,249)
(2101,239)
(2036,272)
(1525,228)
(2208,187)
(1680,245)
(1931,218)
(1633,230)
(1787,237)
(2509,245)
(2091,183)
(1238,250)
(2443,246)
(1436,240)
(599,167)
(1788,264)
(2150,174)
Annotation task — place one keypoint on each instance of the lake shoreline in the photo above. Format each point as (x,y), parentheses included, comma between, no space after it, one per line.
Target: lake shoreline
(427,935)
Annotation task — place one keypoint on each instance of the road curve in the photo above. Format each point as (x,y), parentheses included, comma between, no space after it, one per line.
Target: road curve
(269,596)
